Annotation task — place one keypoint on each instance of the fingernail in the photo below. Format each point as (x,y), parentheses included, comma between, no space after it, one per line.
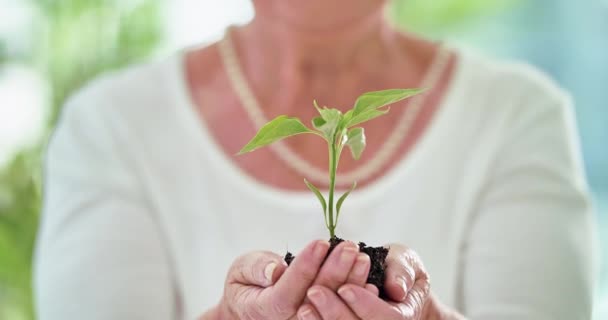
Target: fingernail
(347,294)
(269,271)
(321,249)
(306,314)
(361,265)
(353,245)
(316,296)
(348,254)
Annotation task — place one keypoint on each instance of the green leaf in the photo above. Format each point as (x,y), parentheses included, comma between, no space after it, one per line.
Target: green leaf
(329,121)
(355,140)
(377,99)
(314,102)
(319,196)
(277,129)
(347,117)
(366,116)
(341,200)
(318,122)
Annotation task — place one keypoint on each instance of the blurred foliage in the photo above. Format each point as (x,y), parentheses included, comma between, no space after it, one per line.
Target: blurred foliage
(441,16)
(84,38)
(73,42)
(19,207)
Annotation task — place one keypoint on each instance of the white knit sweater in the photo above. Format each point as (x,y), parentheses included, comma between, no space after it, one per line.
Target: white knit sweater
(143,213)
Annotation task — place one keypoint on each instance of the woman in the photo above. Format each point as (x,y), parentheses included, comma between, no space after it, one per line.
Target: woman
(146,208)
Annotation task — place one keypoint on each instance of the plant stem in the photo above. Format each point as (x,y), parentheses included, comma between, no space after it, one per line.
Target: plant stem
(333,167)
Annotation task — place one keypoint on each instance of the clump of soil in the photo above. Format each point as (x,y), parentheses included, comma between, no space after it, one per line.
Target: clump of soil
(377,256)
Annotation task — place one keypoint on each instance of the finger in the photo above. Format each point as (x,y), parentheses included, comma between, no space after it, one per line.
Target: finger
(402,266)
(417,295)
(336,268)
(290,290)
(405,268)
(358,274)
(328,304)
(260,268)
(308,312)
(372,288)
(366,305)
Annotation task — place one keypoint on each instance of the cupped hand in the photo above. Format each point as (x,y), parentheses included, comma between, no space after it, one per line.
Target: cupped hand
(259,285)
(407,286)
(345,265)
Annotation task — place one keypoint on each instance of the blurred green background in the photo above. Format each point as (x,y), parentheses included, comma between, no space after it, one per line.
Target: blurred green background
(49,48)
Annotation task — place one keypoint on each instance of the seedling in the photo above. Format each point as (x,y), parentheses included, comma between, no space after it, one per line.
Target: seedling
(338,130)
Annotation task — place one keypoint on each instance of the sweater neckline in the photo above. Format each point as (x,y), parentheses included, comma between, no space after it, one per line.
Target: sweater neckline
(238,178)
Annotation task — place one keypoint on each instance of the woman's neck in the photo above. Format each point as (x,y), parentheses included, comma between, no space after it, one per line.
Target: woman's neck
(312,49)
(297,58)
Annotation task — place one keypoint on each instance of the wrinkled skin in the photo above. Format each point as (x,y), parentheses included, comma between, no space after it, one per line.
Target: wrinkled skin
(260,286)
(407,285)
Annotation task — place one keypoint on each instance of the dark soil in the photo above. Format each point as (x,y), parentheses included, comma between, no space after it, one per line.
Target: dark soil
(377,257)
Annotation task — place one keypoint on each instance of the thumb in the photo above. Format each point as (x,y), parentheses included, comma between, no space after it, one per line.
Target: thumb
(259,268)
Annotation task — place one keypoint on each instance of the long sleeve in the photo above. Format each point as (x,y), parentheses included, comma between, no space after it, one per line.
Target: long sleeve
(100,252)
(530,251)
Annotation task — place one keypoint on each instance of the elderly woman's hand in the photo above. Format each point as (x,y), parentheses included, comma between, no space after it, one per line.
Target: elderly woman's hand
(260,286)
(407,287)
